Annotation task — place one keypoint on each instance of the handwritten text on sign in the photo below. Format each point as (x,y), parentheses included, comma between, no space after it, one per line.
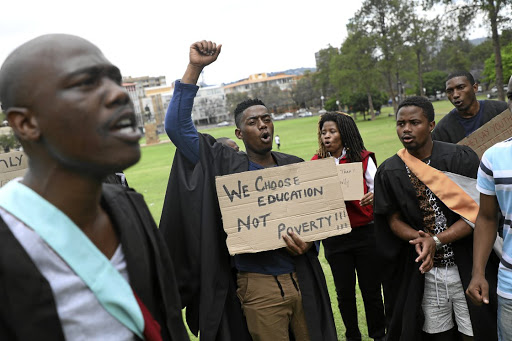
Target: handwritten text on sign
(12,165)
(494,131)
(259,207)
(351,178)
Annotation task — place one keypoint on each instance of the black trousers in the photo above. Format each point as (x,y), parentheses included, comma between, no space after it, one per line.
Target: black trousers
(348,254)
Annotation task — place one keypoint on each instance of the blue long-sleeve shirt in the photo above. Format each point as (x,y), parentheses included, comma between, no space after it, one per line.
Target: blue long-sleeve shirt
(182,132)
(178,121)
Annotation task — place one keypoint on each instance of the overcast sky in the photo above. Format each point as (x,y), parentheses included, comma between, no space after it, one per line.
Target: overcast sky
(152,37)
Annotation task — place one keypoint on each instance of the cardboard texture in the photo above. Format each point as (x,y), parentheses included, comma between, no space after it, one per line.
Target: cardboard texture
(494,131)
(259,207)
(351,178)
(12,165)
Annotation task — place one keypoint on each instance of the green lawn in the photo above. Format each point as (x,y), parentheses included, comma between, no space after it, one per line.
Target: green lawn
(298,137)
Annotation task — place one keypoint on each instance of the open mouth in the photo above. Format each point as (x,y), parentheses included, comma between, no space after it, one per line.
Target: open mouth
(125,125)
(407,139)
(457,103)
(265,137)
(125,128)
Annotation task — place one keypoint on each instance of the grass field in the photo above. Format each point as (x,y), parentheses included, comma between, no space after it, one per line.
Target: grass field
(298,137)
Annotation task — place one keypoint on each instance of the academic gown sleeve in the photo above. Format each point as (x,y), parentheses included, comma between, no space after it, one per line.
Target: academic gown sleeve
(192,228)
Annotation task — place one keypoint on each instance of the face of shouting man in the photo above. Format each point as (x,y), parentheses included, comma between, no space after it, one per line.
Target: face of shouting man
(256,130)
(462,94)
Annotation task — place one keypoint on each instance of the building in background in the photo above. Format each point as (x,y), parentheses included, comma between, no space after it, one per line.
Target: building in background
(210,105)
(157,100)
(151,97)
(146,81)
(136,93)
(283,81)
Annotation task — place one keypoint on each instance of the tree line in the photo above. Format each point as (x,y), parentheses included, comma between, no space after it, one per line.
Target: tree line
(396,48)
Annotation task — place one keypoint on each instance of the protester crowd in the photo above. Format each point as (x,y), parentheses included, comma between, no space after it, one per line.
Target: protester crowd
(82,259)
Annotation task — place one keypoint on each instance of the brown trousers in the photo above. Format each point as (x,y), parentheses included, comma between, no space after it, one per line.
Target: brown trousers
(272,306)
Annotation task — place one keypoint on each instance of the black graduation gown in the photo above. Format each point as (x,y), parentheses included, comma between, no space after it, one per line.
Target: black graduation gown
(402,281)
(449,129)
(28,310)
(192,226)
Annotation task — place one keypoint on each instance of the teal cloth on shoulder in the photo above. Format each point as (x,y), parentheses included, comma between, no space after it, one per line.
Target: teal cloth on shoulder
(72,245)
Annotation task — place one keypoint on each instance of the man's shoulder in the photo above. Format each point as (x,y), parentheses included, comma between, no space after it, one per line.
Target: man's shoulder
(447,119)
(448,150)
(390,164)
(496,107)
(500,148)
(121,195)
(285,159)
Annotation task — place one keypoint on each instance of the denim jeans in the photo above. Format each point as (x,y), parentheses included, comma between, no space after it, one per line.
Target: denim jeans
(504,319)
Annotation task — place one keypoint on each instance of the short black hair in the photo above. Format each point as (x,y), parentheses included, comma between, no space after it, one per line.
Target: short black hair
(241,107)
(466,74)
(420,102)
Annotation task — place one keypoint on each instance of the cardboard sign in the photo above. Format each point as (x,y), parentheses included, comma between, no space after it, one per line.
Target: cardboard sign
(351,179)
(12,165)
(494,131)
(259,207)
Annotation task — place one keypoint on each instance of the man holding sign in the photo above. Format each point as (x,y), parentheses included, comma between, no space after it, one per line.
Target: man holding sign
(424,242)
(287,286)
(78,260)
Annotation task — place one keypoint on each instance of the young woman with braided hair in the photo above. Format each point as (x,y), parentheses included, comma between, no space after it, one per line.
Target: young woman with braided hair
(338,137)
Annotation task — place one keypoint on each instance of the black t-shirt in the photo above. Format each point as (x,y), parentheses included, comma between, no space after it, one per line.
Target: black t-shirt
(473,123)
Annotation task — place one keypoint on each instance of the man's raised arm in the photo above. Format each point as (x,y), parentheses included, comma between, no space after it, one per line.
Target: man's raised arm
(178,120)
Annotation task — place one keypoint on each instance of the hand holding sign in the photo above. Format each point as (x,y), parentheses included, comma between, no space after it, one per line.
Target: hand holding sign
(259,208)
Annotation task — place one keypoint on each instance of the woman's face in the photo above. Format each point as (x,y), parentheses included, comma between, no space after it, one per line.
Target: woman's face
(331,138)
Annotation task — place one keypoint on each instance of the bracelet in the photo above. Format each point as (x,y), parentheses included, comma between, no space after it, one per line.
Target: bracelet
(439,245)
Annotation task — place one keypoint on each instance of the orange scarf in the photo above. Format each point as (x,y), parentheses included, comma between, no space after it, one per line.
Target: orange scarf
(442,186)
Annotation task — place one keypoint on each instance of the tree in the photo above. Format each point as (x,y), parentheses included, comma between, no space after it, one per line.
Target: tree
(321,79)
(490,71)
(467,10)
(479,54)
(434,81)
(358,101)
(233,99)
(386,20)
(354,70)
(8,141)
(421,35)
(273,97)
(304,92)
(453,55)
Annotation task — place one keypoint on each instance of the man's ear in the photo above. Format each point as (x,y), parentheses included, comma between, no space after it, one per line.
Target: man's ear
(238,134)
(23,123)
(432,125)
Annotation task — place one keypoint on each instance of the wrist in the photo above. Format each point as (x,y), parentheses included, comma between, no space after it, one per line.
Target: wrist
(439,245)
(192,74)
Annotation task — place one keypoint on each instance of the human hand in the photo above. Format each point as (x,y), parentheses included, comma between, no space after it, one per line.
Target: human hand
(478,290)
(367,199)
(203,53)
(295,245)
(426,248)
